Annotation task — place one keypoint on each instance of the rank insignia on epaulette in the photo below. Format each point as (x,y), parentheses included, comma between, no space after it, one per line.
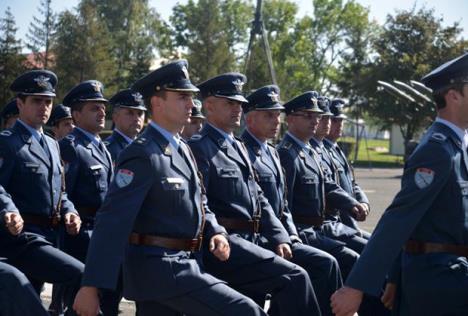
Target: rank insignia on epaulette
(439,136)
(70,137)
(140,140)
(286,145)
(107,143)
(196,137)
(6,133)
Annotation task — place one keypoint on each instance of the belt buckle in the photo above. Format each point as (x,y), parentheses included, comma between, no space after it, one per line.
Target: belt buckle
(55,221)
(195,244)
(256,224)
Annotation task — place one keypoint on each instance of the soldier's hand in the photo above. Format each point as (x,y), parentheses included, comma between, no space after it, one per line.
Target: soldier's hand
(389,295)
(219,246)
(14,222)
(346,301)
(72,223)
(360,211)
(284,251)
(87,301)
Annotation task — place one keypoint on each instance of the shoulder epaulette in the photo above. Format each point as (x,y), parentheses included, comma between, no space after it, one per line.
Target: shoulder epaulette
(6,133)
(196,137)
(286,145)
(438,137)
(141,140)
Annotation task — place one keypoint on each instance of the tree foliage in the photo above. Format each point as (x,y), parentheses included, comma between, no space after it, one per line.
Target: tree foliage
(41,30)
(11,60)
(409,46)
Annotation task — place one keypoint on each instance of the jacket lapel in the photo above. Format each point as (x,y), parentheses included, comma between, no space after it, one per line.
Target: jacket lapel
(224,144)
(34,146)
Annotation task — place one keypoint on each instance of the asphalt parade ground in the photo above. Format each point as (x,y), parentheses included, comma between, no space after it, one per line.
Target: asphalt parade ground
(380,185)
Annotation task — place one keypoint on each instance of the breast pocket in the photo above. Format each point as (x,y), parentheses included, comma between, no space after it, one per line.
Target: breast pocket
(227,179)
(266,178)
(173,191)
(33,171)
(310,183)
(99,176)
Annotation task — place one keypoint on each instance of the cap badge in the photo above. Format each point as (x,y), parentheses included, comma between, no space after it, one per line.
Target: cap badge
(238,83)
(274,96)
(137,97)
(185,71)
(314,101)
(43,82)
(97,86)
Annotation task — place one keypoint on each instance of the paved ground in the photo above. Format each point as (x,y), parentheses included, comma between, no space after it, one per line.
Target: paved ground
(380,185)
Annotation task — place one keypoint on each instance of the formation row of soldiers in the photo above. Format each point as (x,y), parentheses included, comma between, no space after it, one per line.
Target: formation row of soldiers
(204,227)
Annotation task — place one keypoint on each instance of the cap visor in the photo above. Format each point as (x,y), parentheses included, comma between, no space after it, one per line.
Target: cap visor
(236,97)
(45,94)
(143,108)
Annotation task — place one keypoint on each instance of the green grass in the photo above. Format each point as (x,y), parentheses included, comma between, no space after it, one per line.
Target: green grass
(370,156)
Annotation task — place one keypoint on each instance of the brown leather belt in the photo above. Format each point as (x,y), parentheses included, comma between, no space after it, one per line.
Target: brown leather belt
(252,225)
(419,247)
(166,242)
(42,221)
(315,221)
(87,211)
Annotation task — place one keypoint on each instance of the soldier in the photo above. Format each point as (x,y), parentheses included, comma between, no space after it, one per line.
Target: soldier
(128,115)
(155,218)
(262,115)
(427,218)
(34,203)
(308,188)
(89,169)
(61,121)
(9,114)
(334,228)
(240,206)
(196,121)
(344,172)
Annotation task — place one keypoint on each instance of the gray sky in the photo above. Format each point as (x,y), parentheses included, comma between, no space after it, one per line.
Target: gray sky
(450,10)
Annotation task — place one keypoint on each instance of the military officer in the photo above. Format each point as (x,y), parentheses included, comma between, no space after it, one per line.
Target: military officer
(333,227)
(344,172)
(89,169)
(196,121)
(308,189)
(9,114)
(128,115)
(61,121)
(155,218)
(262,115)
(240,206)
(33,203)
(427,217)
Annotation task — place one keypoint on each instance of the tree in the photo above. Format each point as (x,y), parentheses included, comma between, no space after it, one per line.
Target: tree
(211,32)
(83,49)
(136,31)
(11,60)
(40,34)
(410,45)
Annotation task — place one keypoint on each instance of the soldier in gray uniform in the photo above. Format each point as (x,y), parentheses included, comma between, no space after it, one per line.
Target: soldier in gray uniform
(155,218)
(33,201)
(334,228)
(241,207)
(427,218)
(262,117)
(197,119)
(344,170)
(128,115)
